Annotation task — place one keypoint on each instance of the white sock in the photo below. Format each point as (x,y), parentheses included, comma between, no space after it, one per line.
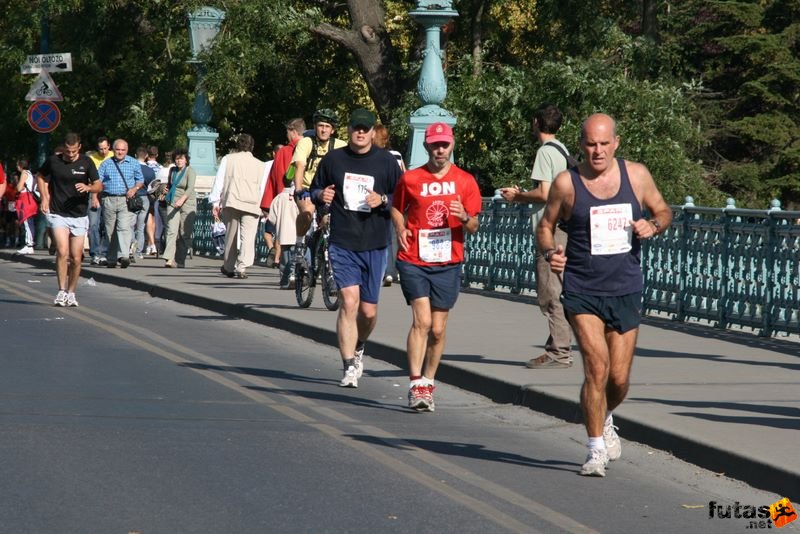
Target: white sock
(417,382)
(597,443)
(427,381)
(609,419)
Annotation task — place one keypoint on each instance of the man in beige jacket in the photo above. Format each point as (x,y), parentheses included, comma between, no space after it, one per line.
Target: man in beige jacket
(236,193)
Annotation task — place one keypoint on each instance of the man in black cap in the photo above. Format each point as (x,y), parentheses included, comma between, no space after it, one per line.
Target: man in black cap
(357,181)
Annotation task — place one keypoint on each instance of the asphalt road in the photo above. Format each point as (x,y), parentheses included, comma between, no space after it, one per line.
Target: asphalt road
(135,414)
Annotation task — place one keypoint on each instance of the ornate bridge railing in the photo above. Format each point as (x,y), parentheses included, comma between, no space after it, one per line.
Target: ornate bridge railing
(727,266)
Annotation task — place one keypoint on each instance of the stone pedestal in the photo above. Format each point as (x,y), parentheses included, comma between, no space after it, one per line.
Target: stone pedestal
(203,151)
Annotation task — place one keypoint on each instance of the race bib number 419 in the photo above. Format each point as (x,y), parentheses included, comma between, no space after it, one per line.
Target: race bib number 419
(611,229)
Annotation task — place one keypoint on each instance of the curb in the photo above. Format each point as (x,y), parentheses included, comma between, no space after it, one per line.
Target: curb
(756,473)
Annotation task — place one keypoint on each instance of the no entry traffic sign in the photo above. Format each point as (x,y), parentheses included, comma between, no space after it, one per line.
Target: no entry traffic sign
(44,116)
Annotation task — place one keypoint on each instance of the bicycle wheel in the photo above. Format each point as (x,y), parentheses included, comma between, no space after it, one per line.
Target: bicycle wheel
(303,284)
(330,293)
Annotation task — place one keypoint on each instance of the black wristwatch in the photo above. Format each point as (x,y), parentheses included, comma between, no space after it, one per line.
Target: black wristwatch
(548,254)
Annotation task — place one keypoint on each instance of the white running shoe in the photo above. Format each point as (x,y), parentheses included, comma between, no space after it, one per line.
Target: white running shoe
(72,302)
(349,380)
(61,299)
(596,462)
(611,439)
(420,397)
(359,358)
(25,250)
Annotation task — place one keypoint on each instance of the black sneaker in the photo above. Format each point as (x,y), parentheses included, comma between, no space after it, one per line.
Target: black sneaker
(124,263)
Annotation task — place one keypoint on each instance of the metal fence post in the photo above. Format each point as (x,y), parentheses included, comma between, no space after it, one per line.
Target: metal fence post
(683,263)
(772,245)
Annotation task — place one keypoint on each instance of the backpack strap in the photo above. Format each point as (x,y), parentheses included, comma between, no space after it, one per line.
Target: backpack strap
(571,161)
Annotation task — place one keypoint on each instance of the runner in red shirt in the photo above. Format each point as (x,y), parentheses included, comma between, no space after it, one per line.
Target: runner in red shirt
(433,206)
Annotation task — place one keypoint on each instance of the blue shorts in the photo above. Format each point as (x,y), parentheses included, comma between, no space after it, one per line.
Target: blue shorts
(363,269)
(78,226)
(440,284)
(622,313)
(269,227)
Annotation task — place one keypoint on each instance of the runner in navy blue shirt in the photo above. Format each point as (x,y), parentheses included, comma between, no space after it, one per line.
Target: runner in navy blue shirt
(602,202)
(357,181)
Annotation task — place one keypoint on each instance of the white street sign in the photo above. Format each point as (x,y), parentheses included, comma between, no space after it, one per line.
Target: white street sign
(36,63)
(44,88)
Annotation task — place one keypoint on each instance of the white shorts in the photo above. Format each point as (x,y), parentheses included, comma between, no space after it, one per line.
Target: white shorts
(78,226)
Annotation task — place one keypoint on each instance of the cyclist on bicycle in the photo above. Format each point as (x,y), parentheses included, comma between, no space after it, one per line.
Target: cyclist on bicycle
(357,182)
(306,158)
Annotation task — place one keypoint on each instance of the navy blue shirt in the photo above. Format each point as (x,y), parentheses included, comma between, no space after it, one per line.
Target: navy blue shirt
(358,230)
(601,275)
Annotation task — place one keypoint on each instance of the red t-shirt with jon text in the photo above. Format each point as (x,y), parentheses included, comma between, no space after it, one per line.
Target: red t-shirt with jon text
(437,237)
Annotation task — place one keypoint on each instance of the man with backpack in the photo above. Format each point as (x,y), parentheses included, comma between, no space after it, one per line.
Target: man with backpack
(307,155)
(551,159)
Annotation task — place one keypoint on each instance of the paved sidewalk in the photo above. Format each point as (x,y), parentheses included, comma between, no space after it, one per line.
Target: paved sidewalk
(726,401)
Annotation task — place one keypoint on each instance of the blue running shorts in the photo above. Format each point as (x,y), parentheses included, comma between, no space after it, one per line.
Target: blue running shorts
(441,283)
(363,269)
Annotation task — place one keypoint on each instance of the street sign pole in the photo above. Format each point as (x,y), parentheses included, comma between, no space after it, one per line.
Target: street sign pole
(44,48)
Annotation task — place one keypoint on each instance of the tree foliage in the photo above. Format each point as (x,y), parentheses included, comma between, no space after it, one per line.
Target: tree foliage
(745,56)
(129,79)
(705,93)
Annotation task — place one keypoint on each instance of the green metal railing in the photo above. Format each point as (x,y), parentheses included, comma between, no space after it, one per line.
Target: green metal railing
(731,267)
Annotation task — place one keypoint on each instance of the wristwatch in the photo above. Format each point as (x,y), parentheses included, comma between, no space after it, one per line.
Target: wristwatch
(384,200)
(656,224)
(548,254)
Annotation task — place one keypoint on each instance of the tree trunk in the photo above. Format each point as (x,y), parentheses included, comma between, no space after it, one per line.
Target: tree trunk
(650,20)
(477,40)
(377,59)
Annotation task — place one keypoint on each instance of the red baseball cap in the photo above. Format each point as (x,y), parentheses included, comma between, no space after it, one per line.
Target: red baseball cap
(438,132)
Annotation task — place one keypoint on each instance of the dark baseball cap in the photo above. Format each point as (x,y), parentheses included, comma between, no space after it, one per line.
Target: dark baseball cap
(362,117)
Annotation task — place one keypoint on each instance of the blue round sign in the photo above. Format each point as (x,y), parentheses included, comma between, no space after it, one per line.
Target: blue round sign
(44,116)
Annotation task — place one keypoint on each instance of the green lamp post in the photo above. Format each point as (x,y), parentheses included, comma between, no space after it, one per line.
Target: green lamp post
(432,86)
(204,24)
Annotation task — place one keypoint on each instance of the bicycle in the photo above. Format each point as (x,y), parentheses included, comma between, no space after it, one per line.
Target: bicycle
(307,272)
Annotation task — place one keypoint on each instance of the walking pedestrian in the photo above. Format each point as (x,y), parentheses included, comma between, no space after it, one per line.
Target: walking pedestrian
(122,179)
(98,240)
(551,159)
(27,206)
(181,207)
(236,194)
